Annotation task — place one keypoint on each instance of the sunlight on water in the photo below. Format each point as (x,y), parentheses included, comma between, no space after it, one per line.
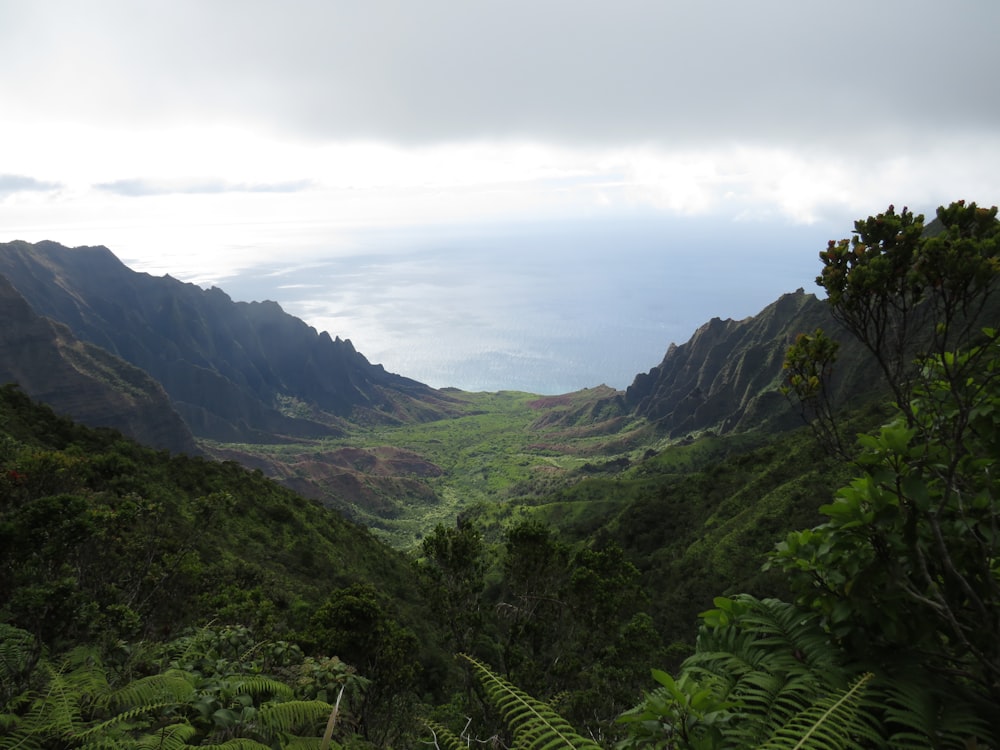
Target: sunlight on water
(546,308)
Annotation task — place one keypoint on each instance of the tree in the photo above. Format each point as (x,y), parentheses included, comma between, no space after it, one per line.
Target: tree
(908,561)
(355,625)
(453,571)
(906,570)
(910,293)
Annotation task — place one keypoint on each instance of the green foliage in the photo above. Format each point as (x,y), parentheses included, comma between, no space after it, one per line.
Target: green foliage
(903,572)
(356,624)
(104,543)
(907,557)
(763,670)
(569,622)
(83,702)
(454,569)
(101,538)
(808,367)
(533,723)
(905,293)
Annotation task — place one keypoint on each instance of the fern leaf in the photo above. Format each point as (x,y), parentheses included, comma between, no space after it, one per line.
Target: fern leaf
(124,720)
(237,743)
(172,685)
(172,737)
(832,723)
(290,716)
(258,686)
(536,726)
(921,714)
(56,709)
(17,653)
(444,738)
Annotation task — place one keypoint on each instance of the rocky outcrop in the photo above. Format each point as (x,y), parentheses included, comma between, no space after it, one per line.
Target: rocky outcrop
(235,371)
(727,377)
(83,381)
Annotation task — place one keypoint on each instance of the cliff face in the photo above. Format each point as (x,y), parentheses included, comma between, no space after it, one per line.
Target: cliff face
(728,375)
(83,381)
(235,371)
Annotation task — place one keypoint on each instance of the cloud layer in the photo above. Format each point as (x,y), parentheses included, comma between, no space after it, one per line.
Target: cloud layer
(590,71)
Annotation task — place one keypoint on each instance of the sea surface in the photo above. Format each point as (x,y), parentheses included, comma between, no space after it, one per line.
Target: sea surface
(545,308)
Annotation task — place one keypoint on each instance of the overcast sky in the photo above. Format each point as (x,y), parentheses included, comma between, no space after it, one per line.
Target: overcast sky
(195,136)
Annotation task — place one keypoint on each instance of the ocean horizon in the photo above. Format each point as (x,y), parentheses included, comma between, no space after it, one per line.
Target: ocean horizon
(546,308)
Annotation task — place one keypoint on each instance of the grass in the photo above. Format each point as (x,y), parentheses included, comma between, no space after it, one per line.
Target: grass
(502,446)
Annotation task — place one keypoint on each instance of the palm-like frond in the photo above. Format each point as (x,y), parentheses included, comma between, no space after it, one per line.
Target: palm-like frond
(17,653)
(172,685)
(258,686)
(290,716)
(834,722)
(444,738)
(171,737)
(237,743)
(920,714)
(534,723)
(770,661)
(57,708)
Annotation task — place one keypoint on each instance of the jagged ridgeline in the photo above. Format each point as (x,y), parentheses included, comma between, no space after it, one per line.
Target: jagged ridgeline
(234,371)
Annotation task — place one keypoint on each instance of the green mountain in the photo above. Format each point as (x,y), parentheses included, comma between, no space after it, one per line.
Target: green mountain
(727,377)
(234,371)
(84,381)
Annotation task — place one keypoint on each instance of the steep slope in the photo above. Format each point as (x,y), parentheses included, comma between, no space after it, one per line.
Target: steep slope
(727,376)
(101,536)
(83,381)
(235,371)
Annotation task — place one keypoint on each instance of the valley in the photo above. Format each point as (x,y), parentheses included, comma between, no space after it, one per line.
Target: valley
(403,480)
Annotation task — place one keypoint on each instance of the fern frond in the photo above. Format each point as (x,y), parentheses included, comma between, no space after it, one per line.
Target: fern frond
(290,716)
(124,720)
(921,714)
(17,653)
(172,737)
(237,743)
(834,722)
(258,685)
(444,738)
(173,684)
(793,639)
(56,708)
(534,723)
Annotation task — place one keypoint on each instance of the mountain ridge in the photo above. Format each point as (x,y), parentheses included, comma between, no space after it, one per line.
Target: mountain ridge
(727,376)
(235,371)
(82,380)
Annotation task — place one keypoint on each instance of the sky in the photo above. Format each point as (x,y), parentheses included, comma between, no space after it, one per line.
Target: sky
(211,139)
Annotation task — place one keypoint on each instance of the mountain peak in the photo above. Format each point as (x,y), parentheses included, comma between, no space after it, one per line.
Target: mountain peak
(230,368)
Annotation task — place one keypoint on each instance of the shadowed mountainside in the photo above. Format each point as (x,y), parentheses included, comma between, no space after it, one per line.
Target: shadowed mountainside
(727,376)
(83,381)
(235,371)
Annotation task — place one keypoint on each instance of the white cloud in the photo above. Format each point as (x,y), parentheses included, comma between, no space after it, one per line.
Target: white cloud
(237,123)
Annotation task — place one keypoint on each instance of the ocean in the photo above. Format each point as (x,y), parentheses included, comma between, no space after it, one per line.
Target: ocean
(546,308)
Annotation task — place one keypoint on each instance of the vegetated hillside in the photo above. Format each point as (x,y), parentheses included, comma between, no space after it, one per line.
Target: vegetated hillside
(698,518)
(84,381)
(100,535)
(404,479)
(727,377)
(235,371)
